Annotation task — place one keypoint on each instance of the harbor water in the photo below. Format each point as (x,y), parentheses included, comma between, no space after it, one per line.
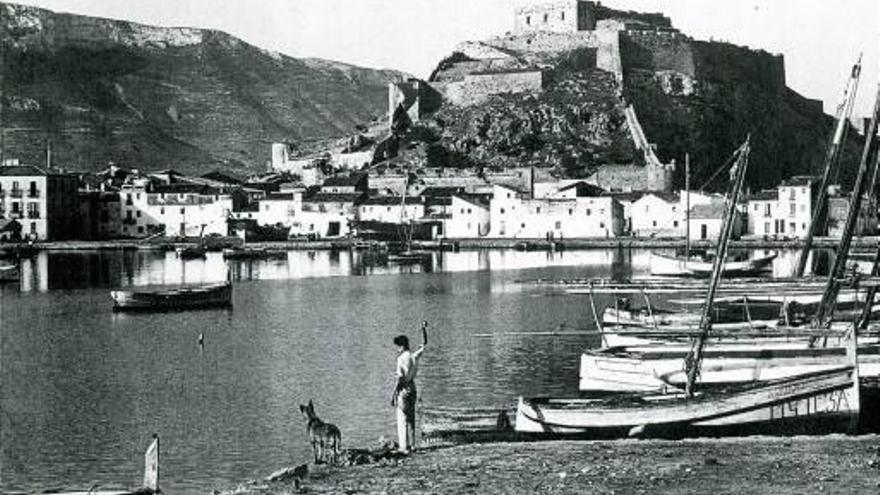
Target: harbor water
(84,388)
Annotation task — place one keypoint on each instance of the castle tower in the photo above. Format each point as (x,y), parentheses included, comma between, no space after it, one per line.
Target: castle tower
(559,16)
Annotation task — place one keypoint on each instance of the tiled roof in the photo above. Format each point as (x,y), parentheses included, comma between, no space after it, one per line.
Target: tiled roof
(800,180)
(352,180)
(393,200)
(764,196)
(334,198)
(21,170)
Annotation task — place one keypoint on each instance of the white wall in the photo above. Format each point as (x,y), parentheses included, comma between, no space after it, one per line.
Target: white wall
(467,220)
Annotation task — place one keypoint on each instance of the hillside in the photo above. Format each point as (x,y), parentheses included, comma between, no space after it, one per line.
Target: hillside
(147,97)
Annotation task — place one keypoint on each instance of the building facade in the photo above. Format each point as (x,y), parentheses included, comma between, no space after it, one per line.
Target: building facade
(45,204)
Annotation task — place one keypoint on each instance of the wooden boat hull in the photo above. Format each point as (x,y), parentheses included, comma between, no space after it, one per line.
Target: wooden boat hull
(824,402)
(660,370)
(191,253)
(254,254)
(407,258)
(182,298)
(9,273)
(644,319)
(670,266)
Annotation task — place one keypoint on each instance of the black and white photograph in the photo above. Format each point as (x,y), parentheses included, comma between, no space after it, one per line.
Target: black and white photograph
(404,247)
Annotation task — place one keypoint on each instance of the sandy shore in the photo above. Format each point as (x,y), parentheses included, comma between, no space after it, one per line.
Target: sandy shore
(832,464)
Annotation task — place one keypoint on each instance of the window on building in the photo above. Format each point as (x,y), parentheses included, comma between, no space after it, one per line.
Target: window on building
(16,207)
(138,196)
(502,211)
(183,211)
(528,20)
(128,214)
(33,210)
(161,211)
(654,223)
(767,210)
(522,225)
(469,211)
(601,225)
(538,210)
(33,228)
(675,223)
(766,227)
(562,16)
(140,230)
(803,190)
(792,194)
(570,212)
(138,214)
(792,208)
(589,212)
(803,226)
(757,206)
(508,195)
(546,18)
(558,225)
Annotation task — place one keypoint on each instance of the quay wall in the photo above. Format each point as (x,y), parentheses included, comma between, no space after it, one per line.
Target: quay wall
(474,243)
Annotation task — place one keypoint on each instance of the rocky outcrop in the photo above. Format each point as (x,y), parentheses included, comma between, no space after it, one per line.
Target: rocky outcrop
(692,97)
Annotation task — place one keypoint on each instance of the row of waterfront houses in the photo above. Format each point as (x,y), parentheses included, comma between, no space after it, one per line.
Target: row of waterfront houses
(120,203)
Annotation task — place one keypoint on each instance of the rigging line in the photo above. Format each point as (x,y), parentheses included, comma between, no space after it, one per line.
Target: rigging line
(722,168)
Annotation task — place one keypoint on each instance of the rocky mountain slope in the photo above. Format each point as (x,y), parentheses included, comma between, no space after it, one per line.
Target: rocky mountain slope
(103,90)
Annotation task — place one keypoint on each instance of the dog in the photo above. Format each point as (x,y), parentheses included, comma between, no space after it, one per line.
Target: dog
(323,436)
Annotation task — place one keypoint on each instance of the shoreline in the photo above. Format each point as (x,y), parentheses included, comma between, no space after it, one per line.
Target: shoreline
(780,465)
(457,244)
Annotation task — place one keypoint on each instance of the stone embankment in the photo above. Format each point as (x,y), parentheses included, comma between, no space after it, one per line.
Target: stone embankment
(832,464)
(465,244)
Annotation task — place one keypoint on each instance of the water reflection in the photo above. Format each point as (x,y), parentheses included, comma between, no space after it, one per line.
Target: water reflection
(78,270)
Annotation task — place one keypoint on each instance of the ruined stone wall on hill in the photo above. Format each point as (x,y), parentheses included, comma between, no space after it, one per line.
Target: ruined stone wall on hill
(716,61)
(657,51)
(476,88)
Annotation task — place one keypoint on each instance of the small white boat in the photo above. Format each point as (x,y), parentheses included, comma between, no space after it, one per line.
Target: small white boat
(673,266)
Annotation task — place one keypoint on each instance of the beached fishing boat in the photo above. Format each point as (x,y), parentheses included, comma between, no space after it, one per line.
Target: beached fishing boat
(9,273)
(253,254)
(823,402)
(174,299)
(673,266)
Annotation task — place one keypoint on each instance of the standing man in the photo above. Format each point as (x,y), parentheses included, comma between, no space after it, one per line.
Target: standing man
(404,395)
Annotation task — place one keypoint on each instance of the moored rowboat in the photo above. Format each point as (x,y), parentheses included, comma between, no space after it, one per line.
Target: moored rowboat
(178,298)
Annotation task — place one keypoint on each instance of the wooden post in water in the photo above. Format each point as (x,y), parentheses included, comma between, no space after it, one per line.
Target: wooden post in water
(694,358)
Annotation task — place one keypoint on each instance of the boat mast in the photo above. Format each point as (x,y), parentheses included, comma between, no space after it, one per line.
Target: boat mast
(832,158)
(694,358)
(822,318)
(687,207)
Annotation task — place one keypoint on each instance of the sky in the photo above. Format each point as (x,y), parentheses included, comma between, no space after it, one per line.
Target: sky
(820,39)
